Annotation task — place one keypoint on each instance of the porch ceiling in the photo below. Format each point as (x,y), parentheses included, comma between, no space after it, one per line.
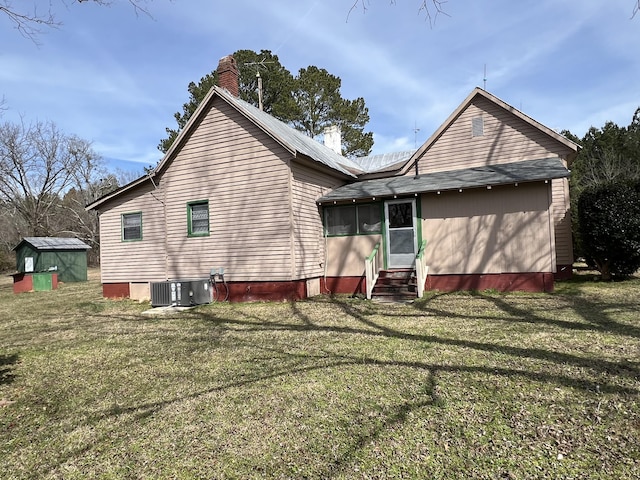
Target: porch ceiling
(489,175)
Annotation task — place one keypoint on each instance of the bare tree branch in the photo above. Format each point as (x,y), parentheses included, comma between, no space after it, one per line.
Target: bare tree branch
(607,167)
(30,22)
(136,4)
(433,8)
(430,8)
(38,165)
(437,8)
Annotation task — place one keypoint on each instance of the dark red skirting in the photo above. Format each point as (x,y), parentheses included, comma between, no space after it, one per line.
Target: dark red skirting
(350,285)
(266,291)
(564,272)
(22,283)
(503,282)
(115,290)
(297,290)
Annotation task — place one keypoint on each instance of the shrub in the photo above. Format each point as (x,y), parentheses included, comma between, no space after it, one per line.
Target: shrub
(609,227)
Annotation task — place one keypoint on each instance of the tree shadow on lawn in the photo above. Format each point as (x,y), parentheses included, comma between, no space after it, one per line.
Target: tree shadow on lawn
(603,366)
(301,363)
(306,364)
(366,432)
(594,314)
(6,368)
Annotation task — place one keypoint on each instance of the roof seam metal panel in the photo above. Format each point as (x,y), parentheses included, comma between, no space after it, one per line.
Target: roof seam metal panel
(55,243)
(292,137)
(378,162)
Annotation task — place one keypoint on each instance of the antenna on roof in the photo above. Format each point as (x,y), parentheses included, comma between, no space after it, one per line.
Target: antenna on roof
(484,79)
(261,63)
(415,145)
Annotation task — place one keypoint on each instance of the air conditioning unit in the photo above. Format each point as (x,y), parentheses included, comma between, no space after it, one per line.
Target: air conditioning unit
(200,291)
(174,293)
(160,294)
(180,293)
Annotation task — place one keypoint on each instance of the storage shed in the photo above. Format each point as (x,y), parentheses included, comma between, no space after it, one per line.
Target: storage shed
(65,256)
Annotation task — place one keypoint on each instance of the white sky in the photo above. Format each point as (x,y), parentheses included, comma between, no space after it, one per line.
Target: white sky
(116,78)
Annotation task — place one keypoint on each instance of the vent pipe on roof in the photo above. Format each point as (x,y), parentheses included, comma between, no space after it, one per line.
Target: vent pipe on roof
(333,138)
(228,75)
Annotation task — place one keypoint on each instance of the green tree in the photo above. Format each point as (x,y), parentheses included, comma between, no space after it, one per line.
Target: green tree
(609,220)
(277,87)
(308,102)
(319,104)
(197,92)
(608,160)
(277,82)
(607,156)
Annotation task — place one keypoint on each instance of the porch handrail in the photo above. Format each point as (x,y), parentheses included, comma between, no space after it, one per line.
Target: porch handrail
(422,269)
(372,269)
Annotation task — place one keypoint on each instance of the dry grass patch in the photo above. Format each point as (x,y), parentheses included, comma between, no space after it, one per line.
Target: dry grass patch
(468,385)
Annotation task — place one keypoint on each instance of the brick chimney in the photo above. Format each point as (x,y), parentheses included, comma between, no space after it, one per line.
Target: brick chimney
(228,75)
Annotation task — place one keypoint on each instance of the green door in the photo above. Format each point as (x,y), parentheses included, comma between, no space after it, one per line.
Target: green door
(401,233)
(42,282)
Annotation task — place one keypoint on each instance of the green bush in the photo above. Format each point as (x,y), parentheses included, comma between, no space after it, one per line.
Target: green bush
(609,227)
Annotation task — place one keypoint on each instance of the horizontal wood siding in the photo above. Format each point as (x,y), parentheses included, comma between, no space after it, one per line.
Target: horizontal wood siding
(505,229)
(506,139)
(307,185)
(244,175)
(562,221)
(134,261)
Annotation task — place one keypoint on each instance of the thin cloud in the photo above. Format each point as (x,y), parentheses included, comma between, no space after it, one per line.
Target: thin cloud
(117,79)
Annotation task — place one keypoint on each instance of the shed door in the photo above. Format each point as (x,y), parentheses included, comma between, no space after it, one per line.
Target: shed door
(400,234)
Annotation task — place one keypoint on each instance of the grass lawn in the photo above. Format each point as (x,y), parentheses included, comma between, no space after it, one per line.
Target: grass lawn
(468,385)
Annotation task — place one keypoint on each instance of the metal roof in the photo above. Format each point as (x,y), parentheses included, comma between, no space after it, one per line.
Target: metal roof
(54,243)
(291,137)
(489,175)
(293,140)
(384,161)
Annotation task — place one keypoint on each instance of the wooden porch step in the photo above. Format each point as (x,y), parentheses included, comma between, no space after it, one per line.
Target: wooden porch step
(396,286)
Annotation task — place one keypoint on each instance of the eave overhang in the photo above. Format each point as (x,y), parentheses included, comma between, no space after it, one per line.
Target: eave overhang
(545,169)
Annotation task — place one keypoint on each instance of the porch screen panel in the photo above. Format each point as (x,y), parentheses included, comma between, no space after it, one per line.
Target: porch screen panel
(369,219)
(341,220)
(401,241)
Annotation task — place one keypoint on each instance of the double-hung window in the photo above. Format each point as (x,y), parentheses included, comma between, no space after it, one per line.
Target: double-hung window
(131,226)
(198,218)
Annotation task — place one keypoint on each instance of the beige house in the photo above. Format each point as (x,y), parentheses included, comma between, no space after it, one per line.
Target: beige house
(287,217)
